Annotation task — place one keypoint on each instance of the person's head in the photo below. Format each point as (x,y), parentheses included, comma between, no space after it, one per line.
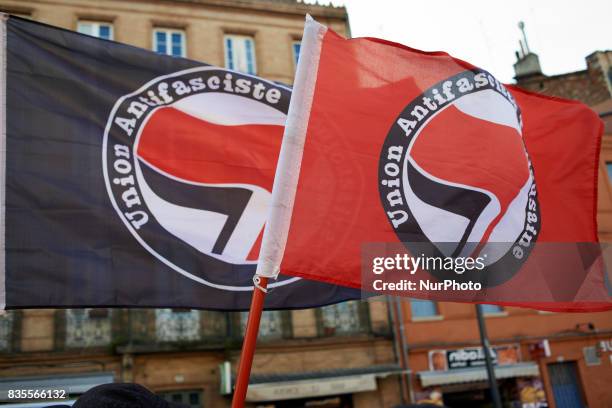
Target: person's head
(122,395)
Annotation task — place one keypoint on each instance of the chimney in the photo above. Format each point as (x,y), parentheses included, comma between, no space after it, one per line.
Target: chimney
(527,63)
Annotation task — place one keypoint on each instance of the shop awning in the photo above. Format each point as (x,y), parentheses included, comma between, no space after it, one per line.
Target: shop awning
(276,387)
(73,384)
(464,375)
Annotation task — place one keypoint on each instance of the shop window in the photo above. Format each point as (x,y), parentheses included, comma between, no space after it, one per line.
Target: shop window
(177,325)
(240,53)
(96,29)
(169,42)
(6,332)
(295,48)
(423,308)
(88,327)
(190,398)
(342,318)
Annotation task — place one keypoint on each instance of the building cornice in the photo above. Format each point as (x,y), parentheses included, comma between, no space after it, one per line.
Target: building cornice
(271,6)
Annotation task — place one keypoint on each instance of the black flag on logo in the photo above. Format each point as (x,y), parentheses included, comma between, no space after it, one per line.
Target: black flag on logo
(135,179)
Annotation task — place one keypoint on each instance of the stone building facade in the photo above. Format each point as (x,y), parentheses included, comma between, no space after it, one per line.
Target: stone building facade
(337,356)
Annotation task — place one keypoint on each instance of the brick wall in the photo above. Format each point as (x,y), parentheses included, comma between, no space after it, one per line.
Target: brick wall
(591,86)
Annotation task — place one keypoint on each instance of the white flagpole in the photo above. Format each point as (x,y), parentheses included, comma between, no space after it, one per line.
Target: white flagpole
(290,158)
(283,195)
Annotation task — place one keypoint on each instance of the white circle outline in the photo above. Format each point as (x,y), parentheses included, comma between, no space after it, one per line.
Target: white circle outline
(114,202)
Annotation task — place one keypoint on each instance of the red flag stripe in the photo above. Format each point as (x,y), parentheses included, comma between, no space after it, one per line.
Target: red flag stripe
(199,151)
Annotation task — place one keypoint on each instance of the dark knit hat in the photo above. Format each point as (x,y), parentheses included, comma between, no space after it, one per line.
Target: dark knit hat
(122,395)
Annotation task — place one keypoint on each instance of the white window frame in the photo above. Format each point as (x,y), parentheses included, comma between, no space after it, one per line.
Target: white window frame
(168,32)
(235,37)
(96,28)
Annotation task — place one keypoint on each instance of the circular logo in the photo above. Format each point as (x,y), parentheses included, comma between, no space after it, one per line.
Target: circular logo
(455,178)
(189,162)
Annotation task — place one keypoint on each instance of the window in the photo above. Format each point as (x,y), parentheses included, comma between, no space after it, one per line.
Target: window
(177,325)
(609,168)
(270,326)
(491,309)
(423,308)
(193,398)
(213,324)
(96,29)
(6,325)
(592,357)
(88,327)
(169,42)
(240,53)
(295,47)
(341,318)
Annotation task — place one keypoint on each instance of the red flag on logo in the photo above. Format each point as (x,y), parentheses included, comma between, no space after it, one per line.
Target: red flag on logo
(388,149)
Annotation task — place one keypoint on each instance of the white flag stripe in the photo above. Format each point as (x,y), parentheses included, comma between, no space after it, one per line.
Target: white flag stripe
(509,227)
(245,234)
(180,221)
(229,110)
(490,106)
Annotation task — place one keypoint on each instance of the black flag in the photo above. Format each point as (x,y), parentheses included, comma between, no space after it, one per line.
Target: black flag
(135,179)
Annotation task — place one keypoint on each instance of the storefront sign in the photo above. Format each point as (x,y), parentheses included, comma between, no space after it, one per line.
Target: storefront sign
(468,357)
(606,346)
(311,388)
(472,357)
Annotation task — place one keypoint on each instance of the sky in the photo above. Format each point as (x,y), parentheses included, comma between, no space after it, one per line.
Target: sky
(485,33)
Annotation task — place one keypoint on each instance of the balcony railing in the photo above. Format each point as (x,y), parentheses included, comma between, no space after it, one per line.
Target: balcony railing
(88,328)
(343,319)
(177,325)
(167,329)
(274,324)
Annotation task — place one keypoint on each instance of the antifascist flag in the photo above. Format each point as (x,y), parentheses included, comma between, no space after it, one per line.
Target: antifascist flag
(414,173)
(135,179)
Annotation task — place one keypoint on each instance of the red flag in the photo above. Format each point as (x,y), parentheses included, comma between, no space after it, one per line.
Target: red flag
(387,144)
